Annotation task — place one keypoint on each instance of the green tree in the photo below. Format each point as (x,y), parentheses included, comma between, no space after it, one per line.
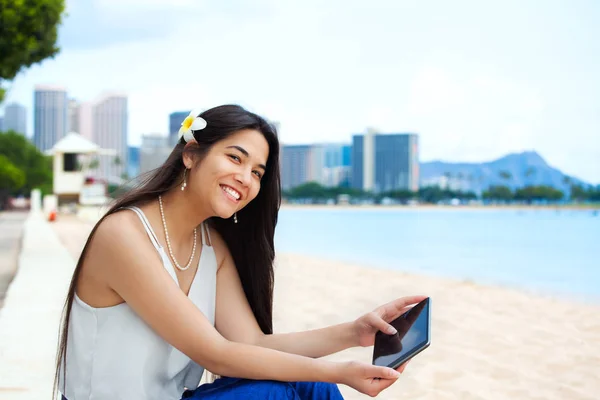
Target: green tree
(26,157)
(530,194)
(11,178)
(435,194)
(498,193)
(402,195)
(94,163)
(594,193)
(579,193)
(28,34)
(309,190)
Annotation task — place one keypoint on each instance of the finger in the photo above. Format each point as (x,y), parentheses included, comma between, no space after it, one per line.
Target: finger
(408,300)
(398,306)
(390,313)
(402,367)
(381,384)
(379,323)
(384,373)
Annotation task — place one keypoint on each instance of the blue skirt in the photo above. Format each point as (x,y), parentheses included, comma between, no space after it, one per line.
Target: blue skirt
(236,388)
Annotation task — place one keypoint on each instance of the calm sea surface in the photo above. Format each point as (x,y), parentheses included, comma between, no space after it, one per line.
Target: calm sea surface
(548,251)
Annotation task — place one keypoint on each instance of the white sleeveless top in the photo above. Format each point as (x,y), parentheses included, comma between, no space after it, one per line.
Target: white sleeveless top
(113,354)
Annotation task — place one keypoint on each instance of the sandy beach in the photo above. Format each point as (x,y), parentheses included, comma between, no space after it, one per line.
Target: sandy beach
(487,342)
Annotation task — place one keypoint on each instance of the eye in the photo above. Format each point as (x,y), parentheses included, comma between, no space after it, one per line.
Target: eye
(257,173)
(234,158)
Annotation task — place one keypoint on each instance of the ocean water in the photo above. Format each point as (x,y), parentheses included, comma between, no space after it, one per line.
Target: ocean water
(544,251)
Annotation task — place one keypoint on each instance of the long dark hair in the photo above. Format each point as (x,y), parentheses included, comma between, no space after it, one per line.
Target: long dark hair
(250,241)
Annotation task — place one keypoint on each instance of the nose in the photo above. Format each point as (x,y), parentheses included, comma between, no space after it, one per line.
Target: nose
(244,176)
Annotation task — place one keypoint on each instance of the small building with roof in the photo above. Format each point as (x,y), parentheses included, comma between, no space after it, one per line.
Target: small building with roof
(74,157)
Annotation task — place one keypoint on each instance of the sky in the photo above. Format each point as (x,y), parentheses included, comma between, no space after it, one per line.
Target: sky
(476,80)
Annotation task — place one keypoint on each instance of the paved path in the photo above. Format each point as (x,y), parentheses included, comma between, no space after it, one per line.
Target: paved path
(30,318)
(11,230)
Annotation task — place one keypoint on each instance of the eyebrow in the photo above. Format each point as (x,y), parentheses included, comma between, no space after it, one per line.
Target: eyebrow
(244,152)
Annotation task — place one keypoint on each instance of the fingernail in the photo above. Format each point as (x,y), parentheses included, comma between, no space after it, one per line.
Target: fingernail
(391,330)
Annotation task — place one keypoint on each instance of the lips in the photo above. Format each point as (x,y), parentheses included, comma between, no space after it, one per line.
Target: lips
(231,193)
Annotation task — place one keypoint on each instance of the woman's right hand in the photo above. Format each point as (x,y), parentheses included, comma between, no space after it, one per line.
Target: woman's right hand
(366,378)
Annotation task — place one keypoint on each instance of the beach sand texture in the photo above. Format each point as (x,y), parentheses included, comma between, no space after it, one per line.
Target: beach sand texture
(487,342)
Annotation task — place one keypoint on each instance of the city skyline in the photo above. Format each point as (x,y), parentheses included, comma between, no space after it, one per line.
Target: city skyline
(462,74)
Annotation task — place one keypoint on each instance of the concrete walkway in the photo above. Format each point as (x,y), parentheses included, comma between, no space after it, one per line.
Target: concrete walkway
(11,231)
(30,318)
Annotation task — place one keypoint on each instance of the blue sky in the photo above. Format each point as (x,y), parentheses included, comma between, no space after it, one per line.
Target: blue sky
(475,79)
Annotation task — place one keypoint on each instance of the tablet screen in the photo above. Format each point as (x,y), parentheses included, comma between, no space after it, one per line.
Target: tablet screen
(413,335)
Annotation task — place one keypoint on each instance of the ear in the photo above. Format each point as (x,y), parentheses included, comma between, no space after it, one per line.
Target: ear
(188,156)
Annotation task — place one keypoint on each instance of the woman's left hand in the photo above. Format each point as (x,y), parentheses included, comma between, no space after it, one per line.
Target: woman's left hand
(367,326)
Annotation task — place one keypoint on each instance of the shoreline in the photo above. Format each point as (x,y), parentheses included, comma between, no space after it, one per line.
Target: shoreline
(422,207)
(571,298)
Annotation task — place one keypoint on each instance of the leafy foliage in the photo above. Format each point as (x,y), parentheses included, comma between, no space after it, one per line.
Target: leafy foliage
(11,177)
(23,155)
(28,34)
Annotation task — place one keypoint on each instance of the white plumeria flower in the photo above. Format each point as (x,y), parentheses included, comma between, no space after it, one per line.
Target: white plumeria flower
(190,124)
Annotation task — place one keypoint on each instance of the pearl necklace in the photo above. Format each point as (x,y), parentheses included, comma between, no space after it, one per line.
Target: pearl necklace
(179,267)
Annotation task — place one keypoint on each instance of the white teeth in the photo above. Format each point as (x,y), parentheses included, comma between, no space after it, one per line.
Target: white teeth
(231,191)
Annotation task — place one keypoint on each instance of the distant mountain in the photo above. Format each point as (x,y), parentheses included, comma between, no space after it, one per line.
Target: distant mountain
(513,170)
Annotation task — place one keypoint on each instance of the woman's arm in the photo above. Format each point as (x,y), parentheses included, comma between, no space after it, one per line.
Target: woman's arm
(235,320)
(135,273)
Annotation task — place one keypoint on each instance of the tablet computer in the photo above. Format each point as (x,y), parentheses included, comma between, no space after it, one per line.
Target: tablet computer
(414,336)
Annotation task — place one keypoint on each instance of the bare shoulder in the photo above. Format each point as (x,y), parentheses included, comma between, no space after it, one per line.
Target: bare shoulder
(118,237)
(118,227)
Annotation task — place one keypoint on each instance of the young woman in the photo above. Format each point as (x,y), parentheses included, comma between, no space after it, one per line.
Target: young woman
(178,277)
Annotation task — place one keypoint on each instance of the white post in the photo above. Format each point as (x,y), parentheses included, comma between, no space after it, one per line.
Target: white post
(36,200)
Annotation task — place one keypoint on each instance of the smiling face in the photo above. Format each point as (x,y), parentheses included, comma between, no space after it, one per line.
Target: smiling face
(229,176)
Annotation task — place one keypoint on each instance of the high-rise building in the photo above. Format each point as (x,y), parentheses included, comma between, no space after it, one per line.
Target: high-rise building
(175,120)
(109,131)
(49,116)
(15,118)
(334,166)
(73,116)
(327,164)
(385,162)
(80,118)
(133,161)
(295,165)
(357,161)
(154,151)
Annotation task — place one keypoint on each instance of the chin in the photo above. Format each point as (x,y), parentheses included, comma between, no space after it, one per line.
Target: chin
(223,212)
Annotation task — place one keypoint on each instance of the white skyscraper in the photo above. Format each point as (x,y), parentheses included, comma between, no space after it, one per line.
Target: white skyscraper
(80,118)
(109,131)
(15,118)
(50,121)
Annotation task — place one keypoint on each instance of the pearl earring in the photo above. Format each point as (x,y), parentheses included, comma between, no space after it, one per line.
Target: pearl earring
(235,218)
(184,184)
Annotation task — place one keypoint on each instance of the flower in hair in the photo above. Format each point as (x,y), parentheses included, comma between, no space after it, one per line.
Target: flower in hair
(190,124)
